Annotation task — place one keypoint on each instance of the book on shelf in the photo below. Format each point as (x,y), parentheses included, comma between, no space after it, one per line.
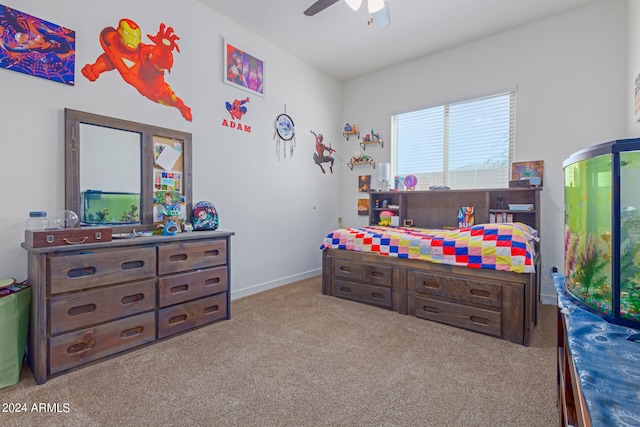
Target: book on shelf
(521,207)
(466,216)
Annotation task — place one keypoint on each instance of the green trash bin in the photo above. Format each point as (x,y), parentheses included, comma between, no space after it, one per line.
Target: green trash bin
(15,301)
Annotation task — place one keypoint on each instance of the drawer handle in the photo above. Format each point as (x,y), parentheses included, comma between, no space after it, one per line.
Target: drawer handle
(213,252)
(212,281)
(178,257)
(82,309)
(377,295)
(128,333)
(130,265)
(480,293)
(428,284)
(179,288)
(345,269)
(84,239)
(480,320)
(177,319)
(211,309)
(81,272)
(431,309)
(81,346)
(132,299)
(345,289)
(377,275)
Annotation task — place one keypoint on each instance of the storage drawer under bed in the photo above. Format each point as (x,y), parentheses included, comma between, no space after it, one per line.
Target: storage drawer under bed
(360,292)
(374,274)
(464,316)
(455,288)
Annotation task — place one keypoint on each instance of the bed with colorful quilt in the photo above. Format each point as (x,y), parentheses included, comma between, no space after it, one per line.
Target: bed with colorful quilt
(481,278)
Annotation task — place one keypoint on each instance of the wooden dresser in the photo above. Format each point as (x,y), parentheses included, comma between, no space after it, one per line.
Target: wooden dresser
(91,301)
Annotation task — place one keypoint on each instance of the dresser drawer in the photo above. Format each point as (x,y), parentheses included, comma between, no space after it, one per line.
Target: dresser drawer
(181,317)
(455,288)
(191,256)
(73,311)
(472,318)
(377,275)
(360,292)
(98,268)
(76,348)
(188,286)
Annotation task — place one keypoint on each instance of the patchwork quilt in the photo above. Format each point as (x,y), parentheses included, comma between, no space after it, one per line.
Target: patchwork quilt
(504,247)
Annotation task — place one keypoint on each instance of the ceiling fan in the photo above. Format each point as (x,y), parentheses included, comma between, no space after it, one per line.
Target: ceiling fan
(379,9)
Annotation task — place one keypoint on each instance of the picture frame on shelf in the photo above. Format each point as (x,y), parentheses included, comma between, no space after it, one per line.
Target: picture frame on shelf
(532,171)
(243,69)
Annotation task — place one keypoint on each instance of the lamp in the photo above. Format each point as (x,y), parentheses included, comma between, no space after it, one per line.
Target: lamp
(384,175)
(353,4)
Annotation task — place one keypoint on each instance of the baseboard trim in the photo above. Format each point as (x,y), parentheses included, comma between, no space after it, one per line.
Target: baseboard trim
(261,287)
(549,299)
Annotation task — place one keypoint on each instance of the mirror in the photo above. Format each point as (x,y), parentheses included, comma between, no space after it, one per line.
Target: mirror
(118,173)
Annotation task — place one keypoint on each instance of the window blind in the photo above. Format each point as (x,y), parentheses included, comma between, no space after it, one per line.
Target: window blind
(468,144)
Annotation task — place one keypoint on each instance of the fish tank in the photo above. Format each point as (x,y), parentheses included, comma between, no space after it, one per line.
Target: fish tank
(109,208)
(602,230)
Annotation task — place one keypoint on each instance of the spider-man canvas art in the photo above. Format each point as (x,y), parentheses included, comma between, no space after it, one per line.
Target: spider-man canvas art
(33,46)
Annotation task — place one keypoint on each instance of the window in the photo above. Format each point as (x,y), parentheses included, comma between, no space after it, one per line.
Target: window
(469,144)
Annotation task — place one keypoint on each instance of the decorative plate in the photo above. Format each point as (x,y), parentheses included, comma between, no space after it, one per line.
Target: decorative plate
(205,216)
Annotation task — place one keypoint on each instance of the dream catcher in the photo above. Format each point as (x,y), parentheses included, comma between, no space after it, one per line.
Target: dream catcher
(285,132)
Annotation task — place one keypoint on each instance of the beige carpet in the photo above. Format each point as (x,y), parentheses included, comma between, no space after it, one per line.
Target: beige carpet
(293,357)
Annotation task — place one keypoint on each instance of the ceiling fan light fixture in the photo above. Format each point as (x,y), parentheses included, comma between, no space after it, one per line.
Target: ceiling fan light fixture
(381,18)
(375,5)
(353,4)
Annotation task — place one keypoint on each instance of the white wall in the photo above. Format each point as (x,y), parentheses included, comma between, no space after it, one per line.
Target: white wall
(572,78)
(571,75)
(279,210)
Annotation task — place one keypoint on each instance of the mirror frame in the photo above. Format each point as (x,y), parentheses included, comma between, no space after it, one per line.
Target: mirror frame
(73,145)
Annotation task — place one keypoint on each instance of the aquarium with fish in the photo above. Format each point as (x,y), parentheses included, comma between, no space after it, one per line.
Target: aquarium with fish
(107,208)
(602,230)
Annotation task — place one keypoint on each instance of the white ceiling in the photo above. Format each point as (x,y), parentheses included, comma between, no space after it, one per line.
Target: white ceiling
(339,41)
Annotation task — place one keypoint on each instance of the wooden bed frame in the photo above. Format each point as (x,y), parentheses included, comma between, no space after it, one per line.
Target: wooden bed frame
(498,303)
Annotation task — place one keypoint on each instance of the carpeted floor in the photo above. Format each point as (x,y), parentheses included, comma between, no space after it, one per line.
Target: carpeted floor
(293,357)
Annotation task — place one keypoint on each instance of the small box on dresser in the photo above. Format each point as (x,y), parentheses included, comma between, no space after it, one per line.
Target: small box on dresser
(67,236)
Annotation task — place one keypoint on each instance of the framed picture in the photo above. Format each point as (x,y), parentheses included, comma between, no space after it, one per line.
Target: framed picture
(364,183)
(243,69)
(363,206)
(532,171)
(33,46)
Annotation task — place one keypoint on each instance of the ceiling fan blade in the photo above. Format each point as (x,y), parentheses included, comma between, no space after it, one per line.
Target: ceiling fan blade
(319,6)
